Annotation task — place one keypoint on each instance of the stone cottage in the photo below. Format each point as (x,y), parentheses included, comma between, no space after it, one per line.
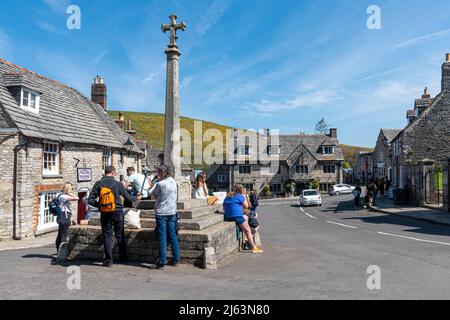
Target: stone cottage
(381,157)
(270,160)
(51,134)
(421,151)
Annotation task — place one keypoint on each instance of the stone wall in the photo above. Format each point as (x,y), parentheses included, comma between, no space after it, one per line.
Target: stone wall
(381,153)
(7,144)
(32,183)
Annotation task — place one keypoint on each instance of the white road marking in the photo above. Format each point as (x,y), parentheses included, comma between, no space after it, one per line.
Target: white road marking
(342,225)
(301,209)
(415,239)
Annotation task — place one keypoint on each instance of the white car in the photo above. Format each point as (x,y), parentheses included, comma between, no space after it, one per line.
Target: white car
(339,189)
(310,198)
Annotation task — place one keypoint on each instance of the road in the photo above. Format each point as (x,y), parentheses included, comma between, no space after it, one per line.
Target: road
(310,253)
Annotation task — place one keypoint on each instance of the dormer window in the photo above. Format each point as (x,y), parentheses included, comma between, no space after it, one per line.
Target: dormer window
(328,150)
(29,100)
(273,150)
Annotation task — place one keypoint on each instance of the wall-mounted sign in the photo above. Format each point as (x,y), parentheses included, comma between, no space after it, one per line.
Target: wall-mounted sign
(84,175)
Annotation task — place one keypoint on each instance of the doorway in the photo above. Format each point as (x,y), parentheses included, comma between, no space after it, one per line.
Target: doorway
(81,206)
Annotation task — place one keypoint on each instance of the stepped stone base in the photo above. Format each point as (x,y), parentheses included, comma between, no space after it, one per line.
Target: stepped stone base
(204,238)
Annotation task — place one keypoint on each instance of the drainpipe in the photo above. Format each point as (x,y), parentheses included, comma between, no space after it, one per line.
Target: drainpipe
(15,174)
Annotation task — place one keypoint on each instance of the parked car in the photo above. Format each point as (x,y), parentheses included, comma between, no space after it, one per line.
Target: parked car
(310,198)
(339,189)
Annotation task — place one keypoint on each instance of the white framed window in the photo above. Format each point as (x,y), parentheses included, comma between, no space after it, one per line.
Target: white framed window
(107,158)
(51,159)
(303,169)
(245,169)
(273,150)
(29,100)
(45,219)
(221,178)
(244,151)
(328,150)
(329,169)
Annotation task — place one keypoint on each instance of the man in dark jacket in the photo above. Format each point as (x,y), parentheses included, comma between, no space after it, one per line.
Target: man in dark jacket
(113,220)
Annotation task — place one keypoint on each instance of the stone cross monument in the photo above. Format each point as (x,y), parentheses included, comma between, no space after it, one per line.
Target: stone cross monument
(172,157)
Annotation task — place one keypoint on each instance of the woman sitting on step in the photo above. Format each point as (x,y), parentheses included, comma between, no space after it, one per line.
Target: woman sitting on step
(234,205)
(201,190)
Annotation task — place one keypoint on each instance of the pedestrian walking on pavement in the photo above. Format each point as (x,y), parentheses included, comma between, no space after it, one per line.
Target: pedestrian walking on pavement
(357,194)
(64,221)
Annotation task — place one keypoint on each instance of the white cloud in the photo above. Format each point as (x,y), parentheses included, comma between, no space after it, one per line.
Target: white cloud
(312,99)
(98,58)
(57,5)
(4,41)
(397,91)
(425,38)
(212,14)
(378,75)
(46,26)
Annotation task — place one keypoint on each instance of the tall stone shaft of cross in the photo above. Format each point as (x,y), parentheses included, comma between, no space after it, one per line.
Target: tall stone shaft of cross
(172,157)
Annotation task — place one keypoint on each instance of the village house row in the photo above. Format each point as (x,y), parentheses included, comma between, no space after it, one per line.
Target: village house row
(276,159)
(51,134)
(416,158)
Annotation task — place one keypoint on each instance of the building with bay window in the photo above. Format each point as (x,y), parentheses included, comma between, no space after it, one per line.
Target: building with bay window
(51,134)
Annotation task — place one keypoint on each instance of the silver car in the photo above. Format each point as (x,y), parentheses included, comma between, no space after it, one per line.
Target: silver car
(339,189)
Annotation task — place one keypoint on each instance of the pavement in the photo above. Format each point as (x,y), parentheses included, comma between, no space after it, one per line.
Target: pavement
(37,242)
(327,252)
(420,213)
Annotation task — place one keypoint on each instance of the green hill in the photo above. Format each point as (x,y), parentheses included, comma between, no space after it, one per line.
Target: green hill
(351,152)
(150,127)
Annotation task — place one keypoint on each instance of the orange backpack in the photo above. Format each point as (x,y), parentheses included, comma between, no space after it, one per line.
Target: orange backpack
(107,201)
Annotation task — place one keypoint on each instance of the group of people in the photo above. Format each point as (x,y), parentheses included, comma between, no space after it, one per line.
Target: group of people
(109,195)
(376,189)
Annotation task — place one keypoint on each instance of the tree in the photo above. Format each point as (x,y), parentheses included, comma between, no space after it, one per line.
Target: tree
(315,184)
(322,126)
(290,186)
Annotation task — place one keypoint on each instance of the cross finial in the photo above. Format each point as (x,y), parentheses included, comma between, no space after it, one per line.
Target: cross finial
(173,27)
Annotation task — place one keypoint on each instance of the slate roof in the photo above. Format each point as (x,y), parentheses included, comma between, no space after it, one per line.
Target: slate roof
(293,145)
(65,115)
(390,134)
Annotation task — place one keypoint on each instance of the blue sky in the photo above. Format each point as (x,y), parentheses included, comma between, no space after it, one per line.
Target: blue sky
(250,64)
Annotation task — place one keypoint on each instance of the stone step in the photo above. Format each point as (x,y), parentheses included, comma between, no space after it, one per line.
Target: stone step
(198,223)
(204,248)
(185,205)
(187,214)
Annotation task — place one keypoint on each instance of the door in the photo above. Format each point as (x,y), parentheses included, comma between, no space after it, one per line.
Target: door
(81,207)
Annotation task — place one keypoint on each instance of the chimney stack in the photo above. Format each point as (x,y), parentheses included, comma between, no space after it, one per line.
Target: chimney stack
(99,92)
(333,133)
(426,94)
(446,74)
(130,130)
(121,121)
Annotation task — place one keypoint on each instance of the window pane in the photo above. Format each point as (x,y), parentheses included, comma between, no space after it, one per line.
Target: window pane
(25,98)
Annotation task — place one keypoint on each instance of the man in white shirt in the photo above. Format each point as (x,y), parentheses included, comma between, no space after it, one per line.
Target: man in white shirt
(135,181)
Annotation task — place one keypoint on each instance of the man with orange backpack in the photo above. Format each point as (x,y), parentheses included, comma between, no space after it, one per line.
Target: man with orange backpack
(105,195)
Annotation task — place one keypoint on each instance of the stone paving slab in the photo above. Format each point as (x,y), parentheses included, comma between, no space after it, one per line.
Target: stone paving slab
(419,213)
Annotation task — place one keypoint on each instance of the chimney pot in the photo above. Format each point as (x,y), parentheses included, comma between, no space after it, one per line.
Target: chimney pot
(121,116)
(99,92)
(447,57)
